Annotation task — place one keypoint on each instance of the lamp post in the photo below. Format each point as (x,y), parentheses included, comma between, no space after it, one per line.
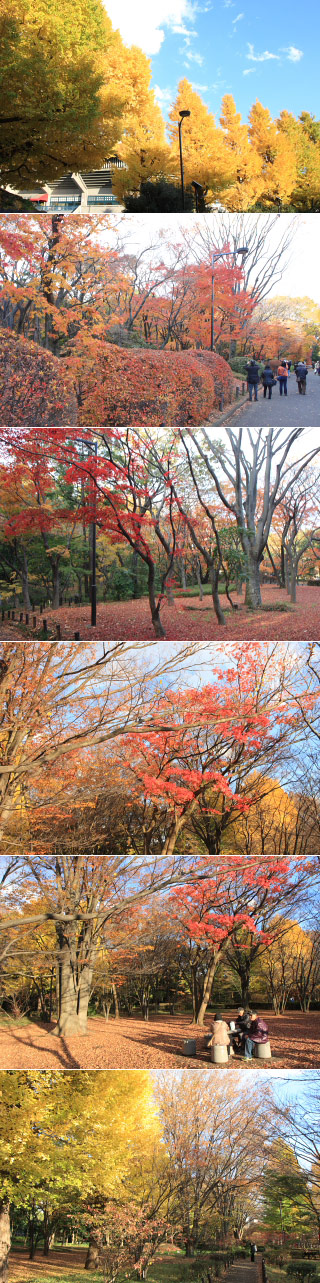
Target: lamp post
(224,253)
(93,567)
(182,115)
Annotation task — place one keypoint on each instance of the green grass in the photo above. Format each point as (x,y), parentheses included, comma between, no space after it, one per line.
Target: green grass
(178,1268)
(172,1269)
(7,1021)
(60,1275)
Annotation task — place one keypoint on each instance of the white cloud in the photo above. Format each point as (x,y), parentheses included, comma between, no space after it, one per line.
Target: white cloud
(145,25)
(293,54)
(250,71)
(164,96)
(192,57)
(237,19)
(261,57)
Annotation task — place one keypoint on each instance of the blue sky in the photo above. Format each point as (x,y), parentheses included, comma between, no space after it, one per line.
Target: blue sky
(249,49)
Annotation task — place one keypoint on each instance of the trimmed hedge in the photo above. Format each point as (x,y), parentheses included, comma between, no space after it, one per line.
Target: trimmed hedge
(151,387)
(35,389)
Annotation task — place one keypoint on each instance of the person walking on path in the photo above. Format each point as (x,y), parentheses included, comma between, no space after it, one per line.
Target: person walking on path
(268,380)
(283,378)
(252,379)
(301,376)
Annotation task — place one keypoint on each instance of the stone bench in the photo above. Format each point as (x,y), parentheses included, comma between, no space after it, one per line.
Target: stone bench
(262,1050)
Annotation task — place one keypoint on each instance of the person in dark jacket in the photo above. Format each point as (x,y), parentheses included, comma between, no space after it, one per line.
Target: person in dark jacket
(243,1024)
(301,376)
(267,379)
(258,1032)
(252,379)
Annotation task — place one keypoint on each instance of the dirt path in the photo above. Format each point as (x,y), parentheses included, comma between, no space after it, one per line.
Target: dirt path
(243,1272)
(158,1044)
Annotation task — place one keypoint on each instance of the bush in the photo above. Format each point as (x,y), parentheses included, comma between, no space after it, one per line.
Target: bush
(151,387)
(161,196)
(34,387)
(303,1269)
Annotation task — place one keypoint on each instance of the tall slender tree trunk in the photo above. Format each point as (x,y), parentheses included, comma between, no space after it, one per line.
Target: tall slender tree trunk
(293,583)
(253,586)
(25,581)
(5,1239)
(183,573)
(47,1235)
(115,999)
(198,578)
(207,990)
(155,610)
(135,585)
(56,585)
(216,599)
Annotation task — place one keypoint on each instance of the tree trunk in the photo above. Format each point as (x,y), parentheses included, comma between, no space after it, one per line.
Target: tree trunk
(92,1261)
(155,610)
(32,1239)
(55,585)
(73,997)
(5,1239)
(293,584)
(216,600)
(115,999)
(183,574)
(135,584)
(199,580)
(25,583)
(253,588)
(47,1235)
(207,988)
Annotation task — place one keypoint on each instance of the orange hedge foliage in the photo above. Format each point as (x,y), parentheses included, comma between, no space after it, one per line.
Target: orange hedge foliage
(151,387)
(35,389)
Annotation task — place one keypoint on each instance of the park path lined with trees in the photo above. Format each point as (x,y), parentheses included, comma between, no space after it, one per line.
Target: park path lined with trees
(96,331)
(284,411)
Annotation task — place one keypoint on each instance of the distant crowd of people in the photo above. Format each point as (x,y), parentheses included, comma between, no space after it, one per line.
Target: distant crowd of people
(269,378)
(241,1035)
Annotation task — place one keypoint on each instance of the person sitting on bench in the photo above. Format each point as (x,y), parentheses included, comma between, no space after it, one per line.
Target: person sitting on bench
(242,1026)
(220,1033)
(258,1032)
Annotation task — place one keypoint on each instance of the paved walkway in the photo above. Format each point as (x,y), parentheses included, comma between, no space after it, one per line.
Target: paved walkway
(289,411)
(243,1272)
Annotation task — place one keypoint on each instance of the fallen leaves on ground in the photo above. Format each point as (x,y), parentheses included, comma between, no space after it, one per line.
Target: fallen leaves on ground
(132,1043)
(186,619)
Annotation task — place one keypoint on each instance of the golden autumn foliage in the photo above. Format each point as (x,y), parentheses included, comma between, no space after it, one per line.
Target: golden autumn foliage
(73,95)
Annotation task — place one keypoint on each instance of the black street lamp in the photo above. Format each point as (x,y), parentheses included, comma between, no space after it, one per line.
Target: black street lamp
(182,115)
(224,253)
(93,567)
